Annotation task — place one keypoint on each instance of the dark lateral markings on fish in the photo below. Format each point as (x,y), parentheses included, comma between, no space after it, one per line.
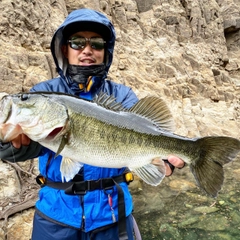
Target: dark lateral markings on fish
(103,133)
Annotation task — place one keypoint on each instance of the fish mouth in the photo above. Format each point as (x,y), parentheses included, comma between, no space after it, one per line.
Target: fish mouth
(8,132)
(54,133)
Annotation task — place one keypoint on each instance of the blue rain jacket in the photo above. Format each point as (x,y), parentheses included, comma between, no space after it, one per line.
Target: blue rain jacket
(93,211)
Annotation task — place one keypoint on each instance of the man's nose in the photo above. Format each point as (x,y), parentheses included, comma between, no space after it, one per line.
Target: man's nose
(87,47)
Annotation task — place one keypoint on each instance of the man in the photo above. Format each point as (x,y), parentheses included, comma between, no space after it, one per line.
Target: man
(82,49)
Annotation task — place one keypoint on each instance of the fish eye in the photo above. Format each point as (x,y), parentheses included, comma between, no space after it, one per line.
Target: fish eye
(24,97)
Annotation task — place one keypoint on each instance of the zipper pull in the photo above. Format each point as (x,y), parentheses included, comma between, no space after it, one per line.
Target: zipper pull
(112,210)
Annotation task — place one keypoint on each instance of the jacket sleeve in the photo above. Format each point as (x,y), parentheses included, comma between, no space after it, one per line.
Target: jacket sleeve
(130,99)
(10,153)
(122,93)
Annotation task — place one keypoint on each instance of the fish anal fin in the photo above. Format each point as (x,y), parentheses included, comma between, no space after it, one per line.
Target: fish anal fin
(152,173)
(69,168)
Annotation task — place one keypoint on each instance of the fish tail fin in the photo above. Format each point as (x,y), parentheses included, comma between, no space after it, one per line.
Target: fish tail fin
(152,173)
(213,154)
(69,168)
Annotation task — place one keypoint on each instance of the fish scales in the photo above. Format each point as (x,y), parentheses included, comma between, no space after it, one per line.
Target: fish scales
(103,133)
(116,143)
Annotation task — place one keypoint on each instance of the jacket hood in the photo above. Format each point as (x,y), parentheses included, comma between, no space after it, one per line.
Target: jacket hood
(82,20)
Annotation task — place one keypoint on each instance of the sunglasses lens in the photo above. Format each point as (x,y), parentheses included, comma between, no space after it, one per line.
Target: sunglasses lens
(77,43)
(97,43)
(80,43)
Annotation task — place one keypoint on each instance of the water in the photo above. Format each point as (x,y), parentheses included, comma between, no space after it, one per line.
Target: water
(177,209)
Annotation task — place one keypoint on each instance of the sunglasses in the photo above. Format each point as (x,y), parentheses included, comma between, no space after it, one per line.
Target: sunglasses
(78,43)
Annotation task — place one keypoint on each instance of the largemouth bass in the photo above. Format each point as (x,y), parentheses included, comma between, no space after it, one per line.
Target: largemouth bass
(102,133)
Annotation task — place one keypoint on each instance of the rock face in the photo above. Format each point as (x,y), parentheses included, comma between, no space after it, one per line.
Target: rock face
(187,52)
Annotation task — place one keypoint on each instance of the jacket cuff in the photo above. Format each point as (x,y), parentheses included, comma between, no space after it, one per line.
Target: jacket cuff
(10,153)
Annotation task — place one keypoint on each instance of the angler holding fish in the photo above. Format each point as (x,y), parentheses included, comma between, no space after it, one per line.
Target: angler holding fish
(90,199)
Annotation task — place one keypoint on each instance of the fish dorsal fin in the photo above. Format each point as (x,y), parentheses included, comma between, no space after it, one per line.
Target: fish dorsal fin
(151,108)
(156,110)
(109,102)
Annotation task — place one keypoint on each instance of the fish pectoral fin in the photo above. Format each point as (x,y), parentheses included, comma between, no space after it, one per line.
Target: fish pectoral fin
(152,173)
(69,168)
(63,142)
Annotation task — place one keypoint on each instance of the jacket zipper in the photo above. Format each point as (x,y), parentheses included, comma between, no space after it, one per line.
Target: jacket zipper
(83,222)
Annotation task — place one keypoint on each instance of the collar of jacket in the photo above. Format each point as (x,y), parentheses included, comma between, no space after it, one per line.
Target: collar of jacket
(93,84)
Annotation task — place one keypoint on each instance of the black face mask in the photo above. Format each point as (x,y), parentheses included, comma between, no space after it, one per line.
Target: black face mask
(80,74)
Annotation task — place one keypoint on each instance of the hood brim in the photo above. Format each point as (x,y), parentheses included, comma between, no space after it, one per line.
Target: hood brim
(81,26)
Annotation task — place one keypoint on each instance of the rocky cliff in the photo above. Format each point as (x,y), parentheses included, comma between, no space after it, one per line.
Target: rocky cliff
(185,51)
